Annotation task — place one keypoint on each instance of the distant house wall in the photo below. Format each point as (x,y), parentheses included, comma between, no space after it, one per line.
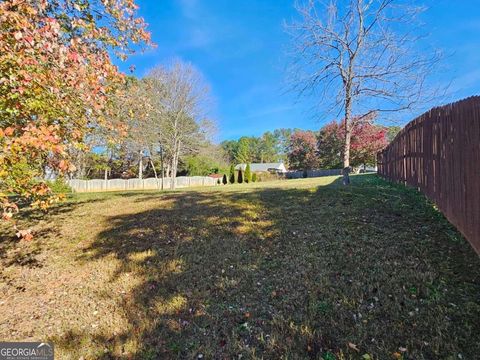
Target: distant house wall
(282,168)
(262,167)
(99,185)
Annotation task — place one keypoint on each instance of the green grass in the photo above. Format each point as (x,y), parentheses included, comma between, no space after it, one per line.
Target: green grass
(298,269)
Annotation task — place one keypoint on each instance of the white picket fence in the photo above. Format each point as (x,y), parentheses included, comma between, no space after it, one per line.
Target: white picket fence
(98,185)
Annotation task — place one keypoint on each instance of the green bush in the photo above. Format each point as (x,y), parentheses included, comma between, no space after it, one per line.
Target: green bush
(248,174)
(240,176)
(254,177)
(232,174)
(59,186)
(224,180)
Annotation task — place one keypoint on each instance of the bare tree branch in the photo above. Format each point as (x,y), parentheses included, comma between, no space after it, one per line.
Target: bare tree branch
(360,57)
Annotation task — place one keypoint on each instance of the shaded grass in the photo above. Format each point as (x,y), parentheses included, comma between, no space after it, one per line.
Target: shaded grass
(292,269)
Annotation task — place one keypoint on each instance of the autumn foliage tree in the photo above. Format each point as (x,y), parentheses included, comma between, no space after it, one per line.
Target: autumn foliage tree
(367,140)
(56,76)
(361,57)
(302,152)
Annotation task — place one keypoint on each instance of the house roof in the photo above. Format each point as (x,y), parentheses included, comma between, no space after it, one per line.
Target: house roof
(215,176)
(259,167)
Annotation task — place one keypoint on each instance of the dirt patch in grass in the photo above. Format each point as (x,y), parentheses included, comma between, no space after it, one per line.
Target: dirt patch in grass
(300,269)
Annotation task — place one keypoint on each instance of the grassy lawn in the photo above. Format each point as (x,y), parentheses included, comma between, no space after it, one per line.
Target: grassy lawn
(298,269)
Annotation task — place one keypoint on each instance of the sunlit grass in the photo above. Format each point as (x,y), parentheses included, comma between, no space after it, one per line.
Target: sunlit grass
(284,269)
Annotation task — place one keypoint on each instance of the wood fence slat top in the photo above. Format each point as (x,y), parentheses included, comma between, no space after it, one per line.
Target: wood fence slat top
(439,153)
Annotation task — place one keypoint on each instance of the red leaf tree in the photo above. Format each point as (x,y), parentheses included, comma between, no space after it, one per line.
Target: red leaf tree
(367,140)
(302,152)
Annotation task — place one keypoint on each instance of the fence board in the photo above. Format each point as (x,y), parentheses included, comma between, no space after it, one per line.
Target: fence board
(439,153)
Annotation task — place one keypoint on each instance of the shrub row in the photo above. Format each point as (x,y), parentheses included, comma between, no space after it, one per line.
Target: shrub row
(242,176)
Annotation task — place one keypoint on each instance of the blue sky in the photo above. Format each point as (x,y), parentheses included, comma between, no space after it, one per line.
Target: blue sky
(242,50)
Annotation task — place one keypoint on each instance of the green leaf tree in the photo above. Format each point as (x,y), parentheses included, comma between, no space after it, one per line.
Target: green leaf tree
(232,174)
(240,176)
(248,174)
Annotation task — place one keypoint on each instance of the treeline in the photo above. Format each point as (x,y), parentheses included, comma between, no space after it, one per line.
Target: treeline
(120,163)
(308,149)
(159,127)
(270,147)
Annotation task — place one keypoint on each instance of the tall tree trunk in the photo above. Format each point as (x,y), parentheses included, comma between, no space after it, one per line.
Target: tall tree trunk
(154,170)
(346,157)
(140,166)
(161,165)
(175,159)
(348,136)
(172,169)
(173,173)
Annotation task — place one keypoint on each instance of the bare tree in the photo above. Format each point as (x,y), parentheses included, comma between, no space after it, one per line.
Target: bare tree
(359,57)
(131,109)
(122,127)
(179,97)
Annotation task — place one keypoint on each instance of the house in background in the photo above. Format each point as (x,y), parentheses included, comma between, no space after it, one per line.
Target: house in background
(217,177)
(278,168)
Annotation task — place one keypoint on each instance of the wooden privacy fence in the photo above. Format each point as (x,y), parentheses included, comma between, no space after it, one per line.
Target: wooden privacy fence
(439,153)
(98,185)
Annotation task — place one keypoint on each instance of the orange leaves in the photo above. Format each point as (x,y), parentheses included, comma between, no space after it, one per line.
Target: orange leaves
(25,234)
(56,78)
(43,138)
(7,215)
(7,131)
(63,165)
(41,189)
(30,40)
(73,56)
(9,208)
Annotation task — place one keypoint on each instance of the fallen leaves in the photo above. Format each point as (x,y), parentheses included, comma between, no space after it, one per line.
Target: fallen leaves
(353,346)
(25,234)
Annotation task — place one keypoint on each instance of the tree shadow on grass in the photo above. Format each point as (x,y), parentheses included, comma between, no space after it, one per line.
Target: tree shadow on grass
(14,251)
(298,273)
